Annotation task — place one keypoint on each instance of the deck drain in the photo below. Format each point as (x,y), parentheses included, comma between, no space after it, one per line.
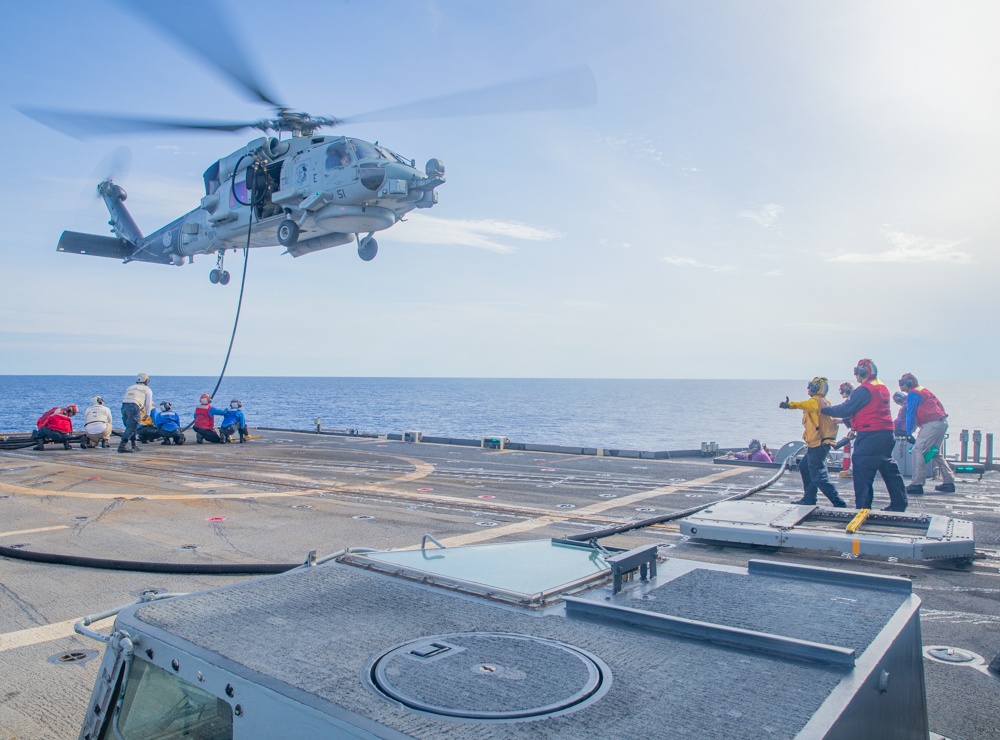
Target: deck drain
(489,676)
(646,510)
(607,495)
(79,518)
(188,547)
(215,519)
(565,506)
(73,657)
(487,524)
(301,506)
(362,517)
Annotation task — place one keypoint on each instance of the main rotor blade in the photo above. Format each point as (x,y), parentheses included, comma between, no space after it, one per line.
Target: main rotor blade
(198,25)
(573,88)
(82,125)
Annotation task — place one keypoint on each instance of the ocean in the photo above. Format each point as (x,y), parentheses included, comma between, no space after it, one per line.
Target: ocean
(627,414)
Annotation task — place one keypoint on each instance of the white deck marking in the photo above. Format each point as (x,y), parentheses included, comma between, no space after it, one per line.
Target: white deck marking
(32,531)
(45,633)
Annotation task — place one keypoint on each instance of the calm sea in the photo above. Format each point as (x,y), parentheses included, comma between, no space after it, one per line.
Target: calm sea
(629,414)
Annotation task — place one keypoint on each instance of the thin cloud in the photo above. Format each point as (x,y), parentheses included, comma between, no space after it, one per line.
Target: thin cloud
(481,233)
(766,216)
(637,144)
(690,262)
(909,248)
(615,244)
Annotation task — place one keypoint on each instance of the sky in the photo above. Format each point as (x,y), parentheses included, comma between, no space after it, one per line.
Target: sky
(762,190)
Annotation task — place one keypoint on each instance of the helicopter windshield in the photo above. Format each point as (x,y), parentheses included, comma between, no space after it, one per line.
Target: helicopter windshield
(338,155)
(364,150)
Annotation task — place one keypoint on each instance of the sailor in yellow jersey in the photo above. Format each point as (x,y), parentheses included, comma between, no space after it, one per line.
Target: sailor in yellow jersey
(819,433)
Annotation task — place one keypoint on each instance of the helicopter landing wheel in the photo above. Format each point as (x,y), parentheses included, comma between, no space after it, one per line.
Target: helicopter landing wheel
(224,278)
(367,249)
(215,276)
(288,233)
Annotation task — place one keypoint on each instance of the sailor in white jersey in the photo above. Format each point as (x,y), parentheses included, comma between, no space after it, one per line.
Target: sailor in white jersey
(138,398)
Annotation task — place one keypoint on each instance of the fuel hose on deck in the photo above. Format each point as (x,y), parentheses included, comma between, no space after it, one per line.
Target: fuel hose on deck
(233,569)
(599,534)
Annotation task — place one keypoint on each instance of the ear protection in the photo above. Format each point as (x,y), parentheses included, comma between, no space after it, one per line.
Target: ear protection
(865,369)
(235,404)
(818,385)
(165,406)
(908,382)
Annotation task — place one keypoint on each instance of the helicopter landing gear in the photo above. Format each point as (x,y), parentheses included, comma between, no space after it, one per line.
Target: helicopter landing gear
(288,233)
(219,276)
(367,248)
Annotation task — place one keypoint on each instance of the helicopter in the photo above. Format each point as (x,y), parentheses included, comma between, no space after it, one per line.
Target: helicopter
(300,189)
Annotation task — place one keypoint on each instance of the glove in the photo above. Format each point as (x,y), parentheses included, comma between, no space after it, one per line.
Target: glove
(911,439)
(841,443)
(785,404)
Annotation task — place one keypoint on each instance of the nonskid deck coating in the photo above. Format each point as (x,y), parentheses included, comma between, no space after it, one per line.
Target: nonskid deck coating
(276,498)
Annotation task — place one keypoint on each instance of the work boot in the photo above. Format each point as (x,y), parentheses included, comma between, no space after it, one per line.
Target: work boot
(166,441)
(945,488)
(840,504)
(893,508)
(67,446)
(40,446)
(912,490)
(803,502)
(124,449)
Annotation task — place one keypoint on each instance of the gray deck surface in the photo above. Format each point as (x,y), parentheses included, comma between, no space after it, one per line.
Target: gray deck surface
(151,505)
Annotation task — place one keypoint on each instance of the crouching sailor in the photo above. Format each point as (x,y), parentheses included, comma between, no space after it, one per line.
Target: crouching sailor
(819,434)
(204,424)
(234,421)
(55,425)
(97,418)
(868,409)
(168,423)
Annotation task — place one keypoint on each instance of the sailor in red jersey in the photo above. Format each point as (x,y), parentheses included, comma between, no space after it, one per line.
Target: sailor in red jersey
(924,410)
(55,425)
(868,409)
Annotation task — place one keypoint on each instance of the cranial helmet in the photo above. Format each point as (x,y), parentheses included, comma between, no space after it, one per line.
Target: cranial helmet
(96,401)
(165,406)
(71,410)
(908,382)
(142,378)
(205,399)
(846,389)
(235,404)
(865,369)
(818,386)
(899,397)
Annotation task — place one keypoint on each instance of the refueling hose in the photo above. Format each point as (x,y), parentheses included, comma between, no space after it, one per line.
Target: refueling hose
(642,523)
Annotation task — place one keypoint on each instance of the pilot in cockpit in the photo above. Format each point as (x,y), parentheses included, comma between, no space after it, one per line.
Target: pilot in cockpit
(337,156)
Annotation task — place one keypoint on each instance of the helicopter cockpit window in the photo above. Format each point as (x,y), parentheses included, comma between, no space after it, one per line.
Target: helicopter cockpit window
(337,155)
(364,150)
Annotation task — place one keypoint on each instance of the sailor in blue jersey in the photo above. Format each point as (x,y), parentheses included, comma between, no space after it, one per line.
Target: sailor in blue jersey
(234,421)
(168,423)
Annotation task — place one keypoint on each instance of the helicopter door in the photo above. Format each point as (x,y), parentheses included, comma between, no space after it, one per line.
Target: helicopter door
(261,185)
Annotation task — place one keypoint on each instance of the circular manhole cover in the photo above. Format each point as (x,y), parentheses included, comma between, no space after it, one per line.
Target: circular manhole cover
(490,676)
(951,655)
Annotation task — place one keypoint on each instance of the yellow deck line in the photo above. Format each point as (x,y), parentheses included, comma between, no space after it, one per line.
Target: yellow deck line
(36,635)
(32,531)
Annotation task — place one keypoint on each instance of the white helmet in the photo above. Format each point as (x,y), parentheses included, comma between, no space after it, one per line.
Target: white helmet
(96,401)
(142,378)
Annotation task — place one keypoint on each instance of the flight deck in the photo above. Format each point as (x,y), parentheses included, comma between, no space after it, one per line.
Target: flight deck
(284,494)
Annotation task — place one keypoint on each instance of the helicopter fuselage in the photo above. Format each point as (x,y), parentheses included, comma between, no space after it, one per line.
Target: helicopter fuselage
(304,193)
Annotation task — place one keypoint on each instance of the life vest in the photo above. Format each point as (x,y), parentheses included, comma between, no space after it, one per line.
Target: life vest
(874,416)
(827,426)
(930,408)
(57,421)
(136,394)
(203,418)
(45,417)
(97,413)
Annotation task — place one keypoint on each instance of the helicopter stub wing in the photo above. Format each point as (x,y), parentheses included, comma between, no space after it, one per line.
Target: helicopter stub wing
(106,246)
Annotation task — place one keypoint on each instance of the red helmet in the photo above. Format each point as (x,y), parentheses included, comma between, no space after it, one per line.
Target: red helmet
(846,389)
(205,399)
(71,410)
(908,382)
(865,370)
